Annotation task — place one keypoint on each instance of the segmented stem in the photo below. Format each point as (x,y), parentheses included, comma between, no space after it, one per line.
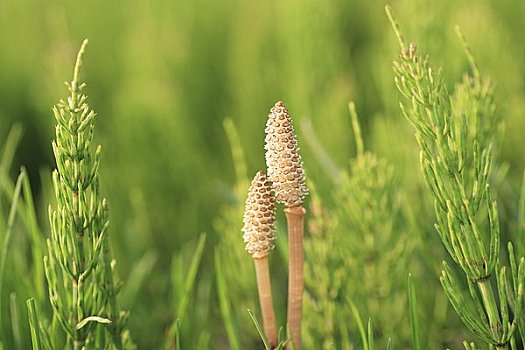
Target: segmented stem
(295,219)
(265,300)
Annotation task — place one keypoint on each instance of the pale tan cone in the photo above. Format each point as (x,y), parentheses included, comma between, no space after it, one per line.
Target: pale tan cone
(259,234)
(285,170)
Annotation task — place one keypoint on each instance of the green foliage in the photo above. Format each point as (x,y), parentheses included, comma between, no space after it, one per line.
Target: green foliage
(282,342)
(9,230)
(79,266)
(165,74)
(233,265)
(20,278)
(455,135)
(357,249)
(184,277)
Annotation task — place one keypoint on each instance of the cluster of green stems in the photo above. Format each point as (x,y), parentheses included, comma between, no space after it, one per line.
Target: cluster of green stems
(79,267)
(455,135)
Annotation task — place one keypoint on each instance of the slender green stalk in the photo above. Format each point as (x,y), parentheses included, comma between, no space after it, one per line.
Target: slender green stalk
(37,243)
(34,325)
(412,301)
(371,345)
(183,300)
(222,291)
(360,326)
(489,301)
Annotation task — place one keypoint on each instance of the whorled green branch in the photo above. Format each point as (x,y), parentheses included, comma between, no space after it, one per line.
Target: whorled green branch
(455,134)
(79,267)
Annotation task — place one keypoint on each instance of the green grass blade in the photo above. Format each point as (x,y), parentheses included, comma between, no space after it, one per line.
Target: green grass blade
(360,325)
(222,291)
(15,321)
(413,314)
(191,277)
(9,232)
(237,152)
(139,272)
(319,151)
(11,144)
(370,335)
(360,149)
(34,325)
(259,329)
(182,304)
(37,244)
(177,335)
(283,339)
(521,217)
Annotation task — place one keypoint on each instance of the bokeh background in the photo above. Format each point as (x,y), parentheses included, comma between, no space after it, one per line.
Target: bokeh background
(164,76)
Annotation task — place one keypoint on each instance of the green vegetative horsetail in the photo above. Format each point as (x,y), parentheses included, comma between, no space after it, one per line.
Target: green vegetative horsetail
(455,135)
(79,267)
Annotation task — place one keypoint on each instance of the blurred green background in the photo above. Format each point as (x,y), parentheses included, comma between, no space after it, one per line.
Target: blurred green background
(163,76)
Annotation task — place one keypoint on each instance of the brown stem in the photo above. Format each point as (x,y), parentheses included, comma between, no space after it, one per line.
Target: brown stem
(265,300)
(295,219)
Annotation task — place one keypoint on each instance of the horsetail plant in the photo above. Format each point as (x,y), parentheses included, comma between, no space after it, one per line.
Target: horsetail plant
(285,171)
(259,234)
(455,135)
(231,268)
(346,244)
(79,268)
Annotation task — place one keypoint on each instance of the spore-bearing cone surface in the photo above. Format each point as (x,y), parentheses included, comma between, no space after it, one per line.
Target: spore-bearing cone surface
(259,217)
(285,168)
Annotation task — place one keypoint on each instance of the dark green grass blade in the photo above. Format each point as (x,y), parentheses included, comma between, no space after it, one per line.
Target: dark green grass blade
(182,304)
(259,329)
(360,324)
